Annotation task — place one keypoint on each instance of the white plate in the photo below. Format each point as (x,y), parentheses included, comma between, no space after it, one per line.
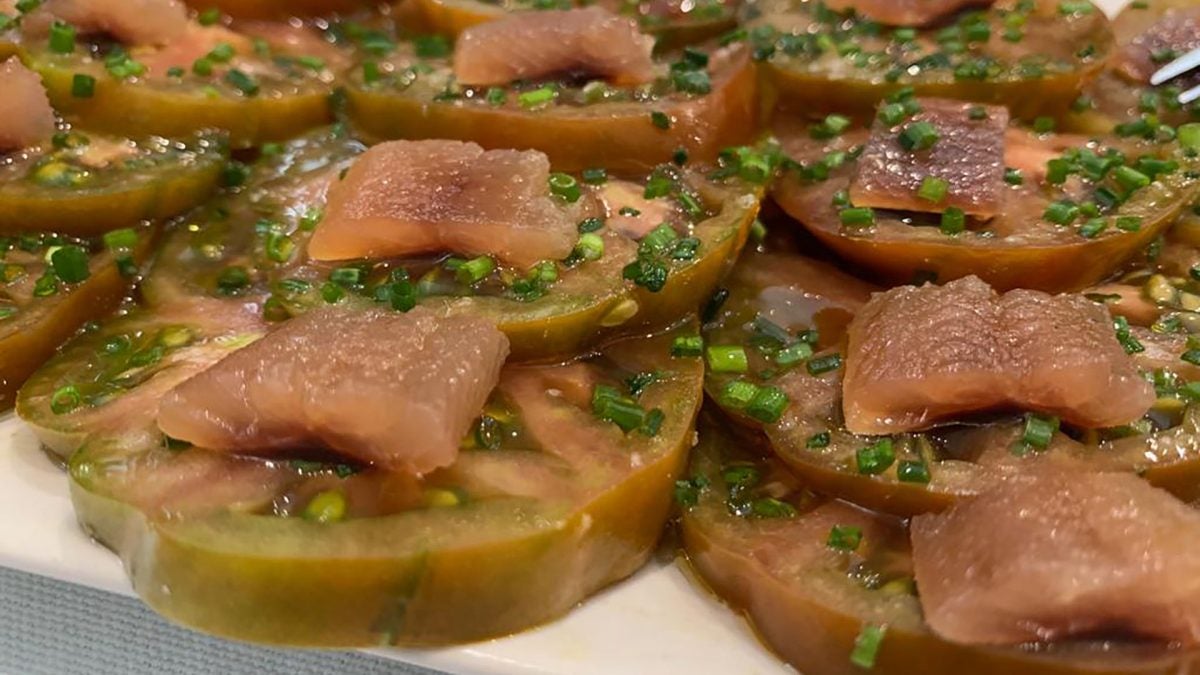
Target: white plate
(656,622)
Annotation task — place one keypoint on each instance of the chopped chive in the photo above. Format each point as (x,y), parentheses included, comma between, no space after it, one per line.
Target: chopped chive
(124,238)
(232,280)
(933,189)
(209,17)
(242,82)
(565,187)
(475,270)
(769,507)
(590,246)
(819,440)
(768,405)
(1093,227)
(592,224)
(861,216)
(202,66)
(1125,336)
(537,97)
(326,507)
(70,263)
(831,127)
(977,112)
(875,458)
(727,359)
(793,354)
(1013,176)
(660,120)
(687,345)
(595,176)
(866,645)
(1039,430)
(1061,213)
(83,85)
(1129,223)
(918,136)
(1130,178)
(892,114)
(1189,135)
(738,394)
(954,221)
(844,538)
(1044,125)
(62,38)
(371,72)
(910,471)
(222,53)
(824,364)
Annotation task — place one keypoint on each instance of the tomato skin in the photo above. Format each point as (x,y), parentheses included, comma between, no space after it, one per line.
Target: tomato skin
(442,575)
(28,341)
(281,9)
(136,109)
(810,613)
(618,136)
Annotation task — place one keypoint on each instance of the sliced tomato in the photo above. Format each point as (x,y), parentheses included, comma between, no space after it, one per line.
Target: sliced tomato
(249,247)
(1028,56)
(843,600)
(545,505)
(789,314)
(91,183)
(1021,247)
(256,92)
(44,302)
(674,23)
(596,125)
(1122,95)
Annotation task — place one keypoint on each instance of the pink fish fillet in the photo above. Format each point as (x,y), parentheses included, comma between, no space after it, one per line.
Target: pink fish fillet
(534,45)
(1061,554)
(133,22)
(406,198)
(919,356)
(26,118)
(396,390)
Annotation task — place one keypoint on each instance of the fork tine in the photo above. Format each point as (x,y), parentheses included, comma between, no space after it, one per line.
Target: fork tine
(1176,68)
(1190,95)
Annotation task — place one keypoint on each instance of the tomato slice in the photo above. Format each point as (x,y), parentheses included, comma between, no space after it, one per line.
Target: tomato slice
(1020,248)
(788,315)
(45,296)
(281,9)
(1118,98)
(249,247)
(761,540)
(254,91)
(545,505)
(90,183)
(407,95)
(1028,56)
(675,24)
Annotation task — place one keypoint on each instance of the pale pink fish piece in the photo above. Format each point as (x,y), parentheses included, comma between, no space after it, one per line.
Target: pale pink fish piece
(193,43)
(534,45)
(411,197)
(284,38)
(396,390)
(1175,34)
(628,211)
(968,156)
(905,12)
(1056,554)
(132,22)
(26,118)
(920,356)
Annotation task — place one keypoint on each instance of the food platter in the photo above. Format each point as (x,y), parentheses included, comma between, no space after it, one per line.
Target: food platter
(653,622)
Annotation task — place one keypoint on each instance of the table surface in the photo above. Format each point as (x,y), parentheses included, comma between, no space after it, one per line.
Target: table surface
(56,628)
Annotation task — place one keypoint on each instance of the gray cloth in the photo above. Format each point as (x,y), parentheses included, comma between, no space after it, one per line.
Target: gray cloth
(52,628)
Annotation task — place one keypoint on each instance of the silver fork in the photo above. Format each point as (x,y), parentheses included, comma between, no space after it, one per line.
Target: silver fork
(1176,68)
